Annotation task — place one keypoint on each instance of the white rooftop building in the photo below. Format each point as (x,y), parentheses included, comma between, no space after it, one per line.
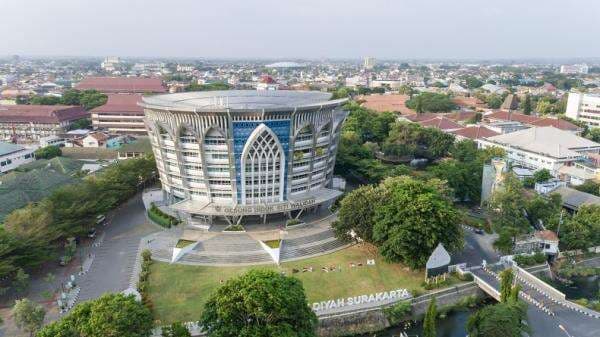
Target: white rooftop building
(13,156)
(584,107)
(542,147)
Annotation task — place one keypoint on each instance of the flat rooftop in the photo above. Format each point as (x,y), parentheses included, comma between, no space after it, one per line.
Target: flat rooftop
(240,100)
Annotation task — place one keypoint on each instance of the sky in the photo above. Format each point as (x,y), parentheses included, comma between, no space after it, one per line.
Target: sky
(291,29)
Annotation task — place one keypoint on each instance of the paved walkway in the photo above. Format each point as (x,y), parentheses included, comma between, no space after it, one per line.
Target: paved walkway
(114,258)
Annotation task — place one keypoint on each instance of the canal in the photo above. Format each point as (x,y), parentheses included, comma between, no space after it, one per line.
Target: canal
(452,325)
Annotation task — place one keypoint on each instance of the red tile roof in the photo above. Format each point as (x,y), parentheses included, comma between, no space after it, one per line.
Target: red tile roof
(124,103)
(122,84)
(546,235)
(41,113)
(475,132)
(557,123)
(511,116)
(441,123)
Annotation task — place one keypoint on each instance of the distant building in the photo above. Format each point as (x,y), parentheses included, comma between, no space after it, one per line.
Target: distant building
(121,115)
(139,85)
(369,63)
(13,156)
(542,148)
(584,107)
(35,121)
(111,63)
(574,69)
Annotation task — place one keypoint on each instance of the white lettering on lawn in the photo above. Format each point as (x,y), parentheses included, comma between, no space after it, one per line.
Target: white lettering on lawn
(386,296)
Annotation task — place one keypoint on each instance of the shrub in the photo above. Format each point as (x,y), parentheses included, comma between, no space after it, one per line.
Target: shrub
(530,260)
(293,222)
(161,218)
(234,228)
(397,312)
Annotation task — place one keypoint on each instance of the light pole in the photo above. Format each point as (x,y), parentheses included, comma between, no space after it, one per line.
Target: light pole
(560,326)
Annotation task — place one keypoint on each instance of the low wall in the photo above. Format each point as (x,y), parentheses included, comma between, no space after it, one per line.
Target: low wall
(375,320)
(545,287)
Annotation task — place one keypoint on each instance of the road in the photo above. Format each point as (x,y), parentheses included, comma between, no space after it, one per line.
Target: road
(114,259)
(478,247)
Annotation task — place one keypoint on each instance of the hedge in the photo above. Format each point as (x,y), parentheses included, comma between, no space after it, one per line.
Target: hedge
(161,218)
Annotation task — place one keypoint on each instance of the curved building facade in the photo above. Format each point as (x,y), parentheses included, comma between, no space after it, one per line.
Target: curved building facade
(242,152)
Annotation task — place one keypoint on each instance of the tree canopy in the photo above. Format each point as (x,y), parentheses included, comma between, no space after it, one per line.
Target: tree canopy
(28,316)
(431,102)
(499,320)
(48,152)
(89,99)
(260,303)
(413,219)
(111,315)
(30,235)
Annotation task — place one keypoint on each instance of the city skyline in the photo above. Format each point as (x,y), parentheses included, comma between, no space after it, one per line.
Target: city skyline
(309,29)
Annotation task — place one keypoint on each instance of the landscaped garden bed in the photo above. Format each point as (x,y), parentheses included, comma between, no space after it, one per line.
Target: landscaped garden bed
(161,218)
(184,243)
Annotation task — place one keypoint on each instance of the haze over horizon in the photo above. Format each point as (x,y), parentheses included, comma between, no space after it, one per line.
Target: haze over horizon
(386,29)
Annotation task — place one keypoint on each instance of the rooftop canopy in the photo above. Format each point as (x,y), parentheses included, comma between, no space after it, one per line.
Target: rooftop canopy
(240,100)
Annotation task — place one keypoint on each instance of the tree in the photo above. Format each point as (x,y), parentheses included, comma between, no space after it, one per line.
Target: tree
(21,281)
(507,205)
(260,303)
(545,209)
(83,123)
(356,213)
(526,105)
(542,175)
(590,187)
(506,284)
(499,320)
(48,152)
(207,87)
(431,102)
(28,316)
(429,320)
(176,329)
(414,217)
(473,82)
(583,229)
(111,315)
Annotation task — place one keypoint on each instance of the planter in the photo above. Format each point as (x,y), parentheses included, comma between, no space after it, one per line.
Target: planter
(180,250)
(273,248)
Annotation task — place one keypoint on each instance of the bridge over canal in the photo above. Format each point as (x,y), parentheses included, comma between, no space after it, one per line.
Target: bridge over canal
(550,313)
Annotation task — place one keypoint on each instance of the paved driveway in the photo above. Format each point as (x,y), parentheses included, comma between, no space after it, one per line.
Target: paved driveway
(115,257)
(477,248)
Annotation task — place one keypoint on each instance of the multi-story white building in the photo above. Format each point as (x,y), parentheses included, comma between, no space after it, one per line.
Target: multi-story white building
(584,107)
(369,63)
(239,153)
(542,148)
(13,155)
(574,69)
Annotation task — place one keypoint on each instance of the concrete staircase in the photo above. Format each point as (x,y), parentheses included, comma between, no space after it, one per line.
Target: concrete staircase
(317,243)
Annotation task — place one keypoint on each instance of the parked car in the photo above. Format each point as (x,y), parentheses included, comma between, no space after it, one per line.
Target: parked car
(92,233)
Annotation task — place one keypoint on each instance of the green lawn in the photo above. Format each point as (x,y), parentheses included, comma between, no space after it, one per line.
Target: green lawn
(178,292)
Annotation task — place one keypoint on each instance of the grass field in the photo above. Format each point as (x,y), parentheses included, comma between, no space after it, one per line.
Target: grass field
(179,292)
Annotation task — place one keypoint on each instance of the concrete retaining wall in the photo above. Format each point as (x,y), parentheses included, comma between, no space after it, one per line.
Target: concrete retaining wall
(375,320)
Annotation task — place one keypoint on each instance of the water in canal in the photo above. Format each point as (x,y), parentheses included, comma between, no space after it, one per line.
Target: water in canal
(453,325)
(581,287)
